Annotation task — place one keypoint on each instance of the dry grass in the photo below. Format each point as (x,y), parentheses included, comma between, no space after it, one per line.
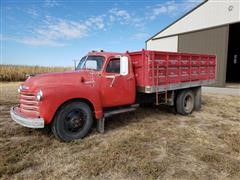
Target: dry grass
(20,73)
(150,143)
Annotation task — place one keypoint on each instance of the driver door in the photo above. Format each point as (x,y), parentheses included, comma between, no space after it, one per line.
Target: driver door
(117,89)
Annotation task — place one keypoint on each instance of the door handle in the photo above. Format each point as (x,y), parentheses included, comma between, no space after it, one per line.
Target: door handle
(110,77)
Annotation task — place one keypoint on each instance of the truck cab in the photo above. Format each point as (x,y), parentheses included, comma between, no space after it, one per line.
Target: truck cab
(112,77)
(70,101)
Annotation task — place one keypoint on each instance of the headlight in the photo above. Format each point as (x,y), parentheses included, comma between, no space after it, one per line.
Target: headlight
(39,95)
(22,87)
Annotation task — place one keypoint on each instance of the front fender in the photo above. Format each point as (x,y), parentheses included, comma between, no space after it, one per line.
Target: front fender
(54,97)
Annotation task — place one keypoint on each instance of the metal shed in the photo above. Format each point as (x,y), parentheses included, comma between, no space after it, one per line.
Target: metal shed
(213,27)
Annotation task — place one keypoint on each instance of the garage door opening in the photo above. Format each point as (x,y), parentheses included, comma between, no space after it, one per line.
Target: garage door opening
(233,61)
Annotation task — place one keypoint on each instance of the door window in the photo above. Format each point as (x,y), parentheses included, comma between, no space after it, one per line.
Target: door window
(113,66)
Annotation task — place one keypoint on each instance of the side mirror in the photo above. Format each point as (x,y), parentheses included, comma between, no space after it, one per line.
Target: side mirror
(123,65)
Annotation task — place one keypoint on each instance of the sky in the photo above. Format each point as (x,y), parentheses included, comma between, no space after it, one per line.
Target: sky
(55,32)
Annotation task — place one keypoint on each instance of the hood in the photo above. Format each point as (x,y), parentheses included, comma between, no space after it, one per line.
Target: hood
(56,79)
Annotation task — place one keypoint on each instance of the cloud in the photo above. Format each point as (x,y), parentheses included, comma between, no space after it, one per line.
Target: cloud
(62,29)
(38,41)
(171,8)
(120,13)
(50,3)
(189,4)
(53,31)
(112,18)
(32,12)
(123,17)
(160,9)
(95,22)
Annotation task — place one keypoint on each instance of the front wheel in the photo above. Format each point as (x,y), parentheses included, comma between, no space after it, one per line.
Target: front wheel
(185,102)
(72,121)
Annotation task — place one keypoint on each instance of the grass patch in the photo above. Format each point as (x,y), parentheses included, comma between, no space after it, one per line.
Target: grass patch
(132,155)
(151,143)
(16,159)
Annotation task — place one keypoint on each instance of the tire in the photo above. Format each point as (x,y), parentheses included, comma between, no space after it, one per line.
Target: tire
(185,102)
(72,121)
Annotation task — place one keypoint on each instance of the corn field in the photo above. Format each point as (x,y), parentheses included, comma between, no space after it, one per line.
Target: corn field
(20,72)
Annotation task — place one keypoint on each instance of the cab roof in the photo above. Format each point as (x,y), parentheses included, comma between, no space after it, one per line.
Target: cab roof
(103,53)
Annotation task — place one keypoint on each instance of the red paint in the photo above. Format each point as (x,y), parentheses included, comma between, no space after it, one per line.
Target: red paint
(172,67)
(94,86)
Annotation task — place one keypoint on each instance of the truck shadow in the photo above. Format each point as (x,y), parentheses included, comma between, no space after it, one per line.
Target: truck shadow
(145,111)
(116,121)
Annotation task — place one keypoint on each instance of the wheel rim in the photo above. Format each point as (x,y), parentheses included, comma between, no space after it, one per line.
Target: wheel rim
(188,103)
(74,121)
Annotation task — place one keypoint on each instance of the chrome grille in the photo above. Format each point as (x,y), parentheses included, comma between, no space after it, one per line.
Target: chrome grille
(28,103)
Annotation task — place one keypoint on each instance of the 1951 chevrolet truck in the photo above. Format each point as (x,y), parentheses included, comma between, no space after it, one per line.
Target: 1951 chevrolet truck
(107,83)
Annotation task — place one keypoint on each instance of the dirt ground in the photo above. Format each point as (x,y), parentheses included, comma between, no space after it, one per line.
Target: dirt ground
(151,143)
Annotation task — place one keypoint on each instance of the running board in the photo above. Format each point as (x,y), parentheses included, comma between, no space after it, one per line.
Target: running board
(101,122)
(118,111)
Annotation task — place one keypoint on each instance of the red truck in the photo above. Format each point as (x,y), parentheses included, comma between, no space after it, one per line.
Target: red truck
(109,83)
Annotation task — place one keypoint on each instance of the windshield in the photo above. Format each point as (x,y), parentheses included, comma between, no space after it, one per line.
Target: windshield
(91,62)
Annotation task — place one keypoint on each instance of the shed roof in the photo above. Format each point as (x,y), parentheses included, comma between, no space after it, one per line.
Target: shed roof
(209,13)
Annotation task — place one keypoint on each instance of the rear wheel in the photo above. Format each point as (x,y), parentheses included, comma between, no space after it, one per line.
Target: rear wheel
(185,102)
(73,121)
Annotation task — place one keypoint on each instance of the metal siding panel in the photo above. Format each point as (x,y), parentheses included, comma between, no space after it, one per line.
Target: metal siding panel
(211,14)
(164,44)
(211,41)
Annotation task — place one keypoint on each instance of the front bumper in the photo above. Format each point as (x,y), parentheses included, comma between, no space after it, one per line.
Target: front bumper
(27,122)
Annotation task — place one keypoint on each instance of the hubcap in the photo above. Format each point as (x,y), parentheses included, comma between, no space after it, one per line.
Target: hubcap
(188,103)
(75,121)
